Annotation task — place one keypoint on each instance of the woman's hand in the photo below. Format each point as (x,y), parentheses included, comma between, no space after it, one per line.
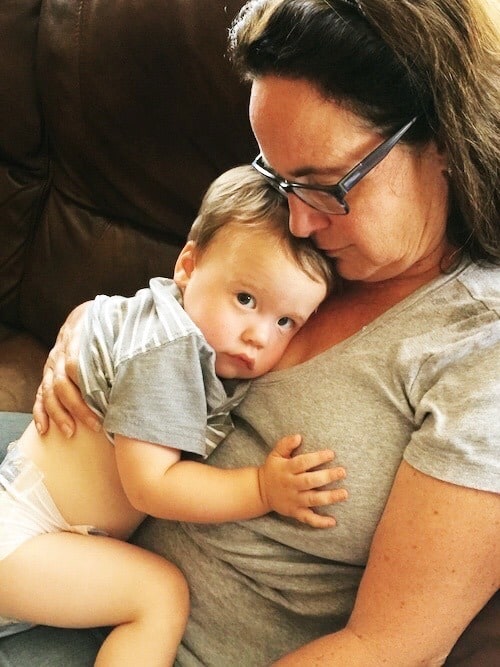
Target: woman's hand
(58,396)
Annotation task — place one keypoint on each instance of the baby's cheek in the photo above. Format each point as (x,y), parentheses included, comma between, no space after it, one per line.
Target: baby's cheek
(281,347)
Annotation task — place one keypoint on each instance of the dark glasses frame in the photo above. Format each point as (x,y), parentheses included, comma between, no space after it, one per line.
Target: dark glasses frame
(330,198)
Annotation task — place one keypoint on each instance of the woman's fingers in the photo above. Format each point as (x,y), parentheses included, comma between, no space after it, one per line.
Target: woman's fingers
(58,397)
(40,415)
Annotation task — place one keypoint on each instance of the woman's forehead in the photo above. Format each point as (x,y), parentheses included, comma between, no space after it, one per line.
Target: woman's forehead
(300,132)
(287,104)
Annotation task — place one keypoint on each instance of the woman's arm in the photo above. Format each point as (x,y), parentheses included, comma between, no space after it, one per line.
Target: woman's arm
(58,395)
(433,564)
(159,484)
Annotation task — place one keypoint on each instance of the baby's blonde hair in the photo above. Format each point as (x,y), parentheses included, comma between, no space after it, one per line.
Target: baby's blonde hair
(242,198)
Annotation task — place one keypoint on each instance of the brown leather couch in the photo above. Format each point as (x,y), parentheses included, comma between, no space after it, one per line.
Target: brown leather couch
(114,118)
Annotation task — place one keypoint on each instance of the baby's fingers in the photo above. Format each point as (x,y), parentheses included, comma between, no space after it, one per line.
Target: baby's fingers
(323,497)
(305,462)
(286,445)
(318,478)
(315,520)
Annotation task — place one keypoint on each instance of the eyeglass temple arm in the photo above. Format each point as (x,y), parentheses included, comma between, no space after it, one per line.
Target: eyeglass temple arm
(373,159)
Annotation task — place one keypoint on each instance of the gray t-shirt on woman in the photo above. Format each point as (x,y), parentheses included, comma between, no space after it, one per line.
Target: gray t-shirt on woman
(420,383)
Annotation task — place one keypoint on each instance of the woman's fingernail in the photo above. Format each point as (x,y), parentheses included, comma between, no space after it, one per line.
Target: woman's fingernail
(67,430)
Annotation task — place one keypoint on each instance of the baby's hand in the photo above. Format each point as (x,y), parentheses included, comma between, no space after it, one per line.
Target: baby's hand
(290,485)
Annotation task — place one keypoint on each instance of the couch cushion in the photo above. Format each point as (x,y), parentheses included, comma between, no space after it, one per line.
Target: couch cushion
(21,363)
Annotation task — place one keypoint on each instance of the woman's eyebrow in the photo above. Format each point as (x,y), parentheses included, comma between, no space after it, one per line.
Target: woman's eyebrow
(340,169)
(308,170)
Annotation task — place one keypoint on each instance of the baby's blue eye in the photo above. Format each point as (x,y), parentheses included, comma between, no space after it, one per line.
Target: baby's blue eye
(246,299)
(285,322)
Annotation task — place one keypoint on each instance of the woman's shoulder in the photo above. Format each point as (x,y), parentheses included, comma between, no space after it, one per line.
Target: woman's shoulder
(482,282)
(468,294)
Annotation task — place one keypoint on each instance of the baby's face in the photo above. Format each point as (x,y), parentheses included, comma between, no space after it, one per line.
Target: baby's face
(249,298)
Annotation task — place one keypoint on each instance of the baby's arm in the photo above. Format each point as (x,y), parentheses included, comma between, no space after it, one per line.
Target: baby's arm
(158,483)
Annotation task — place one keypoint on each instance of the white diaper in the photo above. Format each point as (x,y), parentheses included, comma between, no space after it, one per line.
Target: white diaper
(26,510)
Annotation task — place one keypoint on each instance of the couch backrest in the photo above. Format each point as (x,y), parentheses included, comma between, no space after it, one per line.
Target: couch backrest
(114,118)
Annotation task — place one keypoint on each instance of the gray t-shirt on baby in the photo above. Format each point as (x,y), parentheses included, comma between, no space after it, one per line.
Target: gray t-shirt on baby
(420,383)
(146,368)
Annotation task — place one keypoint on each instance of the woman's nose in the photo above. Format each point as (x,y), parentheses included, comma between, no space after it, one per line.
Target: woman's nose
(304,220)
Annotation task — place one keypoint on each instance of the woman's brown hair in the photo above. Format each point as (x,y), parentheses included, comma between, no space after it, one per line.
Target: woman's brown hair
(389,61)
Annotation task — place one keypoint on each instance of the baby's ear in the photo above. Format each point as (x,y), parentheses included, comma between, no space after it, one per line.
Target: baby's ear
(185,264)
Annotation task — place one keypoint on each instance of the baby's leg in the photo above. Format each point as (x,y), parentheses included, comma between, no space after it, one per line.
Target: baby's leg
(76,581)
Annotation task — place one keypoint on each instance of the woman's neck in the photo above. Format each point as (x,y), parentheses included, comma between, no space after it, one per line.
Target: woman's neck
(358,304)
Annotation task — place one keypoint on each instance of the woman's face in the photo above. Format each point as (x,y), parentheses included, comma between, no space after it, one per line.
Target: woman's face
(397,219)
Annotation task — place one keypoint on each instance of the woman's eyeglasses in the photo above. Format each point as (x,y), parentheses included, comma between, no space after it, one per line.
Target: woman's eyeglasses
(330,198)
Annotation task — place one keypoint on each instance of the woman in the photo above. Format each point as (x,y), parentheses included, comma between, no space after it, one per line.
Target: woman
(398,373)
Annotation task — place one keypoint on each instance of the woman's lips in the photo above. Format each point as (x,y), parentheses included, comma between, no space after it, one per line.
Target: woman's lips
(332,252)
